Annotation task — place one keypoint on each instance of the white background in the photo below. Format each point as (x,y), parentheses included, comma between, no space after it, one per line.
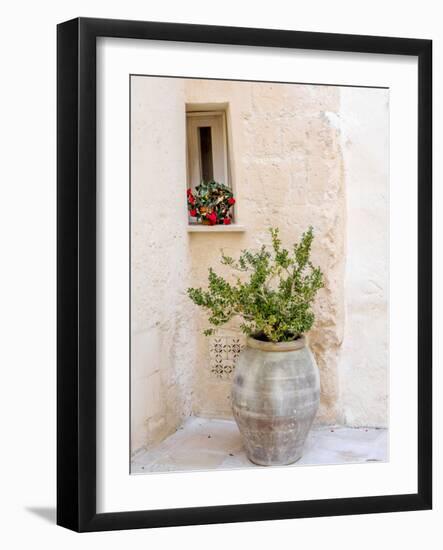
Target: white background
(27,300)
(116,489)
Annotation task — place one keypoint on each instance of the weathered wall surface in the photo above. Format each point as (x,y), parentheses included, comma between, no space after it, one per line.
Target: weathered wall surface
(292,167)
(287,171)
(161,317)
(364,357)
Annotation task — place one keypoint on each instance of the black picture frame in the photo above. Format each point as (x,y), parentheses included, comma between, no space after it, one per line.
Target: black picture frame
(76,273)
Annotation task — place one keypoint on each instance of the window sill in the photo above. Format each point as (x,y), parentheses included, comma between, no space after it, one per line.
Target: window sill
(233,228)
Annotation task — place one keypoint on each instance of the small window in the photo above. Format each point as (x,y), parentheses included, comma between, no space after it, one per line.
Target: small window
(207,166)
(207,151)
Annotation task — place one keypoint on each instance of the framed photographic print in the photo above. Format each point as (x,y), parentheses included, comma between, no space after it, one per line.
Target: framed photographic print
(244,274)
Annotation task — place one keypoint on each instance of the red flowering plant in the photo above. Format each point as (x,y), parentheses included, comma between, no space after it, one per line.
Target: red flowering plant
(211,203)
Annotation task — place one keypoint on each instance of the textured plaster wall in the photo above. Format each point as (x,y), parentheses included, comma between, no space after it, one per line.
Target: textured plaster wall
(287,171)
(364,356)
(162,350)
(291,166)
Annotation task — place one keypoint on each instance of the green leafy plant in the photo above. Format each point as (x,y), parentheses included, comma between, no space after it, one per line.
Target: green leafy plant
(273,291)
(210,203)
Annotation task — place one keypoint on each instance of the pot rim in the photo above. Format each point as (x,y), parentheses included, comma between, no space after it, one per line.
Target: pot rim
(276,346)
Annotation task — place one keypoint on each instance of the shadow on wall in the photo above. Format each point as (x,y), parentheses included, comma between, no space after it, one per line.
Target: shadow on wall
(46,513)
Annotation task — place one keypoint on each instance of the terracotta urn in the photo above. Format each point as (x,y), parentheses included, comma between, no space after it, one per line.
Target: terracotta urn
(275,397)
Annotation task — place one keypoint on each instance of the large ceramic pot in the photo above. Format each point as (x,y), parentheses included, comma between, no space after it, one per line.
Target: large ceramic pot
(275,397)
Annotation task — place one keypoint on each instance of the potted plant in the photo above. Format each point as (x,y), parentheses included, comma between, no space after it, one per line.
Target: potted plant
(276,390)
(211,203)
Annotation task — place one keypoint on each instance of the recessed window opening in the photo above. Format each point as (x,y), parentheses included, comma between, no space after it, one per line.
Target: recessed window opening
(207,171)
(207,162)
(207,148)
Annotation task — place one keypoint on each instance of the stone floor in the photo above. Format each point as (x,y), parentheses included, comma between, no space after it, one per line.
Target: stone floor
(207,444)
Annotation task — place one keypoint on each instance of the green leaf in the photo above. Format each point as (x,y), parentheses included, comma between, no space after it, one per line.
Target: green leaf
(275,301)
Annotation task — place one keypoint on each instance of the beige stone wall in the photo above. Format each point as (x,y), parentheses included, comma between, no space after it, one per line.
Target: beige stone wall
(287,158)
(364,357)
(287,172)
(161,345)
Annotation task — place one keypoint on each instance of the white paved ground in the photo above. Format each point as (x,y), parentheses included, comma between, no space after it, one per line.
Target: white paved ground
(207,444)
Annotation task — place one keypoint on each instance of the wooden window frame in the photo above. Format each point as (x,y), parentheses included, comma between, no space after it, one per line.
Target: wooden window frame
(193,151)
